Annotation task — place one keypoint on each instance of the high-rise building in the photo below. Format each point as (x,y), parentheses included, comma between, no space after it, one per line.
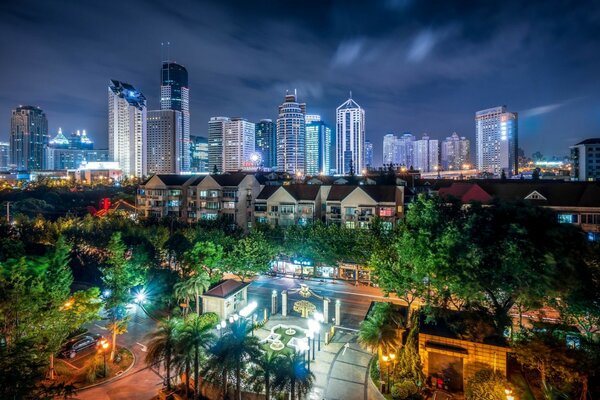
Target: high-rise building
(350,137)
(320,149)
(291,133)
(404,150)
(28,138)
(73,152)
(199,154)
(164,139)
(80,140)
(426,154)
(238,144)
(497,141)
(585,156)
(389,147)
(175,95)
(456,153)
(368,153)
(127,128)
(4,156)
(266,142)
(216,127)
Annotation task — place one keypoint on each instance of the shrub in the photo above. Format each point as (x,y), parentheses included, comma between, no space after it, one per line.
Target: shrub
(406,390)
(486,384)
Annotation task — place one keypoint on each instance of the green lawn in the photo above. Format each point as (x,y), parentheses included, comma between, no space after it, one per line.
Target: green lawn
(285,340)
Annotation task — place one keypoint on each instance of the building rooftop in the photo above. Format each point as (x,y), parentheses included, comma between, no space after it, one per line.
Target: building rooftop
(126,91)
(589,141)
(226,288)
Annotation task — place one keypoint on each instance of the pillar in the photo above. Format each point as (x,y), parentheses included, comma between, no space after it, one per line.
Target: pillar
(274,302)
(338,314)
(284,303)
(326,309)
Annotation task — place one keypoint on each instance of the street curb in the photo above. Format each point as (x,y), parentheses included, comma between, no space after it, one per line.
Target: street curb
(114,378)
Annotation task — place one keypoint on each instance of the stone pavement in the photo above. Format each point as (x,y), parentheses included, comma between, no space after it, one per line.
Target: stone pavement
(341,373)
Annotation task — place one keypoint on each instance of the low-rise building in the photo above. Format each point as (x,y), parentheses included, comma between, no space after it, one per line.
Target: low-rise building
(225,299)
(288,205)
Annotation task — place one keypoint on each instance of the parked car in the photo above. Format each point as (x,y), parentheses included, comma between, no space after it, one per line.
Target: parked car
(78,344)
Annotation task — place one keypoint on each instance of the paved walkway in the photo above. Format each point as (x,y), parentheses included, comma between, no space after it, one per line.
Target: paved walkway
(341,368)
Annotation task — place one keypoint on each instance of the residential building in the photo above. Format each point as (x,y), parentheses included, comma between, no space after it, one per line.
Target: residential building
(456,153)
(497,141)
(164,141)
(368,154)
(291,133)
(127,128)
(426,154)
(4,156)
(238,144)
(399,150)
(319,147)
(389,147)
(216,127)
(298,204)
(175,95)
(266,142)
(585,157)
(28,138)
(198,154)
(575,203)
(350,138)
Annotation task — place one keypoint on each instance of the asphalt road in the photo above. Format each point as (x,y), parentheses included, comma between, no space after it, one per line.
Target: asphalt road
(355,300)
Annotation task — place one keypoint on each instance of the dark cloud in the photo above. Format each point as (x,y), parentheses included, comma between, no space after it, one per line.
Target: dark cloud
(420,66)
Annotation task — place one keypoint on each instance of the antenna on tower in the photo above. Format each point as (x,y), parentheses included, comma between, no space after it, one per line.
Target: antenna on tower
(296,93)
(351,94)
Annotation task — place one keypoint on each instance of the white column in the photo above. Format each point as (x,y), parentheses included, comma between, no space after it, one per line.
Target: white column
(338,312)
(326,309)
(274,302)
(284,303)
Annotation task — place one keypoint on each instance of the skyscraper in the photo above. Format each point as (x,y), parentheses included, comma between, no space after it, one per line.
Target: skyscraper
(350,137)
(71,153)
(456,153)
(368,153)
(497,141)
(175,95)
(238,144)
(4,156)
(291,132)
(216,127)
(426,154)
(127,128)
(164,141)
(28,138)
(389,148)
(266,142)
(199,154)
(319,146)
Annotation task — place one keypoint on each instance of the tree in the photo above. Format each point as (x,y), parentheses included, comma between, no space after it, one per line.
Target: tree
(161,345)
(263,371)
(207,256)
(376,333)
(409,362)
(486,384)
(292,375)
(250,256)
(241,348)
(199,336)
(195,286)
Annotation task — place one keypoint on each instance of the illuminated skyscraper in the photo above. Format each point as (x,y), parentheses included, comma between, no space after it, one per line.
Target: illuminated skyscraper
(350,137)
(164,142)
(127,128)
(266,142)
(368,153)
(389,147)
(291,133)
(175,95)
(28,138)
(497,141)
(320,149)
(456,153)
(426,154)
(216,129)
(4,156)
(238,144)
(199,154)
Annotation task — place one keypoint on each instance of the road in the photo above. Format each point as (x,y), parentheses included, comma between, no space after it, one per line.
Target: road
(355,300)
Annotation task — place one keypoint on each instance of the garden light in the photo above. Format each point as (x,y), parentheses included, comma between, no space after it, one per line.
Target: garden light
(140,296)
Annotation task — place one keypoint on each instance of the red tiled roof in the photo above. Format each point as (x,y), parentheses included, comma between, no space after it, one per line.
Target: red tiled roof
(226,288)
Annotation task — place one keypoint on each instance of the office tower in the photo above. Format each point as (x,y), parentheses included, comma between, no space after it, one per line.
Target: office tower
(404,150)
(389,148)
(164,139)
(175,95)
(127,128)
(368,153)
(585,156)
(456,153)
(216,126)
(72,152)
(291,135)
(4,156)
(266,142)
(350,137)
(60,141)
(80,140)
(238,144)
(199,154)
(28,138)
(320,149)
(496,141)
(426,154)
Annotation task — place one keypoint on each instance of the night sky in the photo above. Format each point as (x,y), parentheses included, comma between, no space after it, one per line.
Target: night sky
(414,66)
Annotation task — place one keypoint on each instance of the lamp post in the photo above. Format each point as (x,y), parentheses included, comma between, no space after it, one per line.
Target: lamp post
(385,359)
(102,347)
(509,395)
(393,362)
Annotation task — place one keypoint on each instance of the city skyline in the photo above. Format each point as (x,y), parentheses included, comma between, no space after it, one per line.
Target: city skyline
(445,51)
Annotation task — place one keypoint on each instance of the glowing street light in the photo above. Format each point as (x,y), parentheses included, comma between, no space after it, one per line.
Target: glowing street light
(103,346)
(140,296)
(249,309)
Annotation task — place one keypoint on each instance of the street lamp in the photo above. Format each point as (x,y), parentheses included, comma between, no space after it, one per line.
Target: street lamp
(393,362)
(102,348)
(385,359)
(509,395)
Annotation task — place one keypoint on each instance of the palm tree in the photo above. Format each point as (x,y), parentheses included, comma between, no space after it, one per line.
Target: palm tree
(292,375)
(199,336)
(376,333)
(242,347)
(183,358)
(182,293)
(219,365)
(193,286)
(264,369)
(161,345)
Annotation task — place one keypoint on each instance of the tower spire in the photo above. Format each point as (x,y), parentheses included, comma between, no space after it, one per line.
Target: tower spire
(351,95)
